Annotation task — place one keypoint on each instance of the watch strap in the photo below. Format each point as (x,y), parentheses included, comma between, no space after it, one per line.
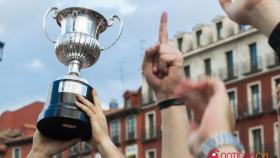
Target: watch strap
(217,141)
(171,102)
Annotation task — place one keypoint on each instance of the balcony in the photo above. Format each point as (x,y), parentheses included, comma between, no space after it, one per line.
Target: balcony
(131,136)
(266,103)
(229,73)
(150,134)
(249,68)
(116,140)
(272,60)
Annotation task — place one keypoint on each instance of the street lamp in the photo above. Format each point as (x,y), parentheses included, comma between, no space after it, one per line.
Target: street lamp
(1,50)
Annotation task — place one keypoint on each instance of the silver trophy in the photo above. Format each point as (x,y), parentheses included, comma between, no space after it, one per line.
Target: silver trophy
(78,48)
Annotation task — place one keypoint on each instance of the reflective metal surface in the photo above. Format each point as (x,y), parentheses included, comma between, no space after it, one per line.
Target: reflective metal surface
(80,30)
(73,77)
(72,87)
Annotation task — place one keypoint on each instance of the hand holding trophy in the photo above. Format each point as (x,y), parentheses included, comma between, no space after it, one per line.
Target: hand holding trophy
(78,48)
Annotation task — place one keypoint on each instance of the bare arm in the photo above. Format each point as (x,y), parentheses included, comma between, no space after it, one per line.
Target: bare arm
(163,70)
(107,149)
(261,14)
(100,135)
(44,147)
(204,98)
(174,133)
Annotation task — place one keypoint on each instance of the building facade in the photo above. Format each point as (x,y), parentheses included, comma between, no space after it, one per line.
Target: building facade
(242,58)
(237,54)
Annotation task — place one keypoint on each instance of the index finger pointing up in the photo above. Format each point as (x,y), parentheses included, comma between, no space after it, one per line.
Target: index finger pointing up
(163,35)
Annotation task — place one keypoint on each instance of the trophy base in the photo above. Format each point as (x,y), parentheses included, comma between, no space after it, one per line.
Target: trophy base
(61,119)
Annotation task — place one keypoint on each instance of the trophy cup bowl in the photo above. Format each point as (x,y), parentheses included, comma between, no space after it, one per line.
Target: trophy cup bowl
(78,48)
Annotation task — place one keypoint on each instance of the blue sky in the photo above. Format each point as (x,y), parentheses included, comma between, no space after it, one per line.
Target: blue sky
(29,63)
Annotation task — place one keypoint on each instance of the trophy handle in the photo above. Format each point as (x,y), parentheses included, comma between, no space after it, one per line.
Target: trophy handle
(120,31)
(55,10)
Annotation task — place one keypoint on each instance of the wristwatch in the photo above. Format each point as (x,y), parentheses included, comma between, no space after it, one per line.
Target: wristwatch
(217,141)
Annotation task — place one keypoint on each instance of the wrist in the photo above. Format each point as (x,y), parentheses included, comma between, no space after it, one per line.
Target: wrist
(202,137)
(103,143)
(165,96)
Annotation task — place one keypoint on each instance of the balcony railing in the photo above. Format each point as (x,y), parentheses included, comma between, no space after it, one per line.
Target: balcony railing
(151,134)
(248,68)
(267,105)
(228,73)
(242,68)
(131,136)
(271,60)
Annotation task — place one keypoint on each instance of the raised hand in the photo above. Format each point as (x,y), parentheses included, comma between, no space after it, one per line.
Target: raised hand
(44,147)
(163,65)
(97,118)
(212,112)
(100,135)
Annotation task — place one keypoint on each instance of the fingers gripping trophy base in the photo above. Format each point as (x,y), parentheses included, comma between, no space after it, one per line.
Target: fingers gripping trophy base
(61,119)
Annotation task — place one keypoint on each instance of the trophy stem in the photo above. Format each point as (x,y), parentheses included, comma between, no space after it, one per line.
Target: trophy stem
(74,67)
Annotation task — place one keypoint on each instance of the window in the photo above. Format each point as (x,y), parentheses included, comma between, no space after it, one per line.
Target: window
(220,30)
(150,94)
(233,102)
(198,37)
(256,139)
(131,128)
(187,70)
(255,99)
(189,113)
(253,57)
(150,153)
(276,137)
(242,27)
(86,146)
(17,152)
(115,131)
(75,149)
(128,103)
(131,151)
(180,43)
(60,155)
(207,63)
(150,125)
(275,83)
(230,64)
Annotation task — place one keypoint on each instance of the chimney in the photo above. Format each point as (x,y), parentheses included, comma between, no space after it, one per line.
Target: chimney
(113,104)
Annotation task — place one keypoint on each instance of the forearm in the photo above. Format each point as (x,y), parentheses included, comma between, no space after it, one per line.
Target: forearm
(108,150)
(174,132)
(265,16)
